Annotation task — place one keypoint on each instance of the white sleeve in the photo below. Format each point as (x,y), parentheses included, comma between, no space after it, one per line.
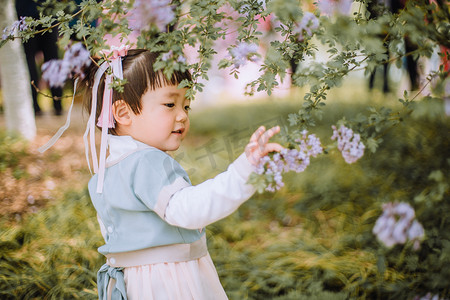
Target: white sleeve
(195,207)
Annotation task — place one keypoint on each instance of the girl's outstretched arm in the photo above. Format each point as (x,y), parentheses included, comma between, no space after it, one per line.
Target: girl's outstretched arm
(195,207)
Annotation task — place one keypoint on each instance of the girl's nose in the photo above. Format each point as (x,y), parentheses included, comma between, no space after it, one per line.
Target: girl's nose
(181,115)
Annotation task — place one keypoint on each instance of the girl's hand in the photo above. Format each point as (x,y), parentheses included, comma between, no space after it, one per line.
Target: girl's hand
(259,147)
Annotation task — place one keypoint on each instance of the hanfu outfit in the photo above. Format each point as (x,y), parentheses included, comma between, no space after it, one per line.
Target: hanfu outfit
(153,219)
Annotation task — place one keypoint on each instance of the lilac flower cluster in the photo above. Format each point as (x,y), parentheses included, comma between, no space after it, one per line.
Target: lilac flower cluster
(244,52)
(348,143)
(308,24)
(330,7)
(19,25)
(56,72)
(289,160)
(146,12)
(397,225)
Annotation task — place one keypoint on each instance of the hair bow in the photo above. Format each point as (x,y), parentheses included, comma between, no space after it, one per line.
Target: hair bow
(115,55)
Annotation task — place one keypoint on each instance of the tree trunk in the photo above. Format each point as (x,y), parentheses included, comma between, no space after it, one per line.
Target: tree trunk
(15,80)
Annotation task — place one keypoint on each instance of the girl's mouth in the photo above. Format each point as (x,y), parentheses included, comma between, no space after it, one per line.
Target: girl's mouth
(179,131)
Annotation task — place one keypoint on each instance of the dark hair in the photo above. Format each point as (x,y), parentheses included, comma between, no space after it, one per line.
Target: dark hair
(138,71)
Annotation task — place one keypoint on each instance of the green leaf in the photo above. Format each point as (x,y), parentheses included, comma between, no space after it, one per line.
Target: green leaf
(372,144)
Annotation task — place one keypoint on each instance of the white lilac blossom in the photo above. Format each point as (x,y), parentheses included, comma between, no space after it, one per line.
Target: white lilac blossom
(308,24)
(56,72)
(286,160)
(331,7)
(348,143)
(397,225)
(19,25)
(147,12)
(242,53)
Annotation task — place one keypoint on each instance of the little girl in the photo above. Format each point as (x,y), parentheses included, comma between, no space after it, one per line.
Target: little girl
(151,217)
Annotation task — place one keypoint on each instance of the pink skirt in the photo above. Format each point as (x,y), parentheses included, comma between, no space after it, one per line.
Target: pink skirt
(195,279)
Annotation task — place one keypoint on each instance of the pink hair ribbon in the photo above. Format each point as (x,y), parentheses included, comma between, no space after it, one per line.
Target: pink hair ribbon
(106,118)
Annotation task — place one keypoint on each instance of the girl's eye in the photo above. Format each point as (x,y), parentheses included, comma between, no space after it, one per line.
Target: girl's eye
(169,104)
(187,108)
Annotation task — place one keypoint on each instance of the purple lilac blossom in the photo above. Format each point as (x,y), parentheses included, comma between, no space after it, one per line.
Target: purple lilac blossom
(56,72)
(397,225)
(19,25)
(331,7)
(146,12)
(308,24)
(286,160)
(348,143)
(243,52)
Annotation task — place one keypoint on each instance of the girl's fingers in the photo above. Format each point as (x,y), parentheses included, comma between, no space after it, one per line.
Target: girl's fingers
(272,147)
(266,136)
(257,134)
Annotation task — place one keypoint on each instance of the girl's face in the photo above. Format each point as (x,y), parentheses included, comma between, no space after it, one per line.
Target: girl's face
(163,122)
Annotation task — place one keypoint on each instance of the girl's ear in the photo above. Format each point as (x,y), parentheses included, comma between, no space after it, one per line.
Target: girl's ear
(121,112)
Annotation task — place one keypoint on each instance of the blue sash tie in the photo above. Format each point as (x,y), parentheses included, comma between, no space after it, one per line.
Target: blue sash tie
(104,275)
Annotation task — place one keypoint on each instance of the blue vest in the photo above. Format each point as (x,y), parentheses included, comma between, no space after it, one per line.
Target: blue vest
(135,194)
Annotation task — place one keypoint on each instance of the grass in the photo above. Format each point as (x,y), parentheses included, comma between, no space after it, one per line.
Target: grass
(310,240)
